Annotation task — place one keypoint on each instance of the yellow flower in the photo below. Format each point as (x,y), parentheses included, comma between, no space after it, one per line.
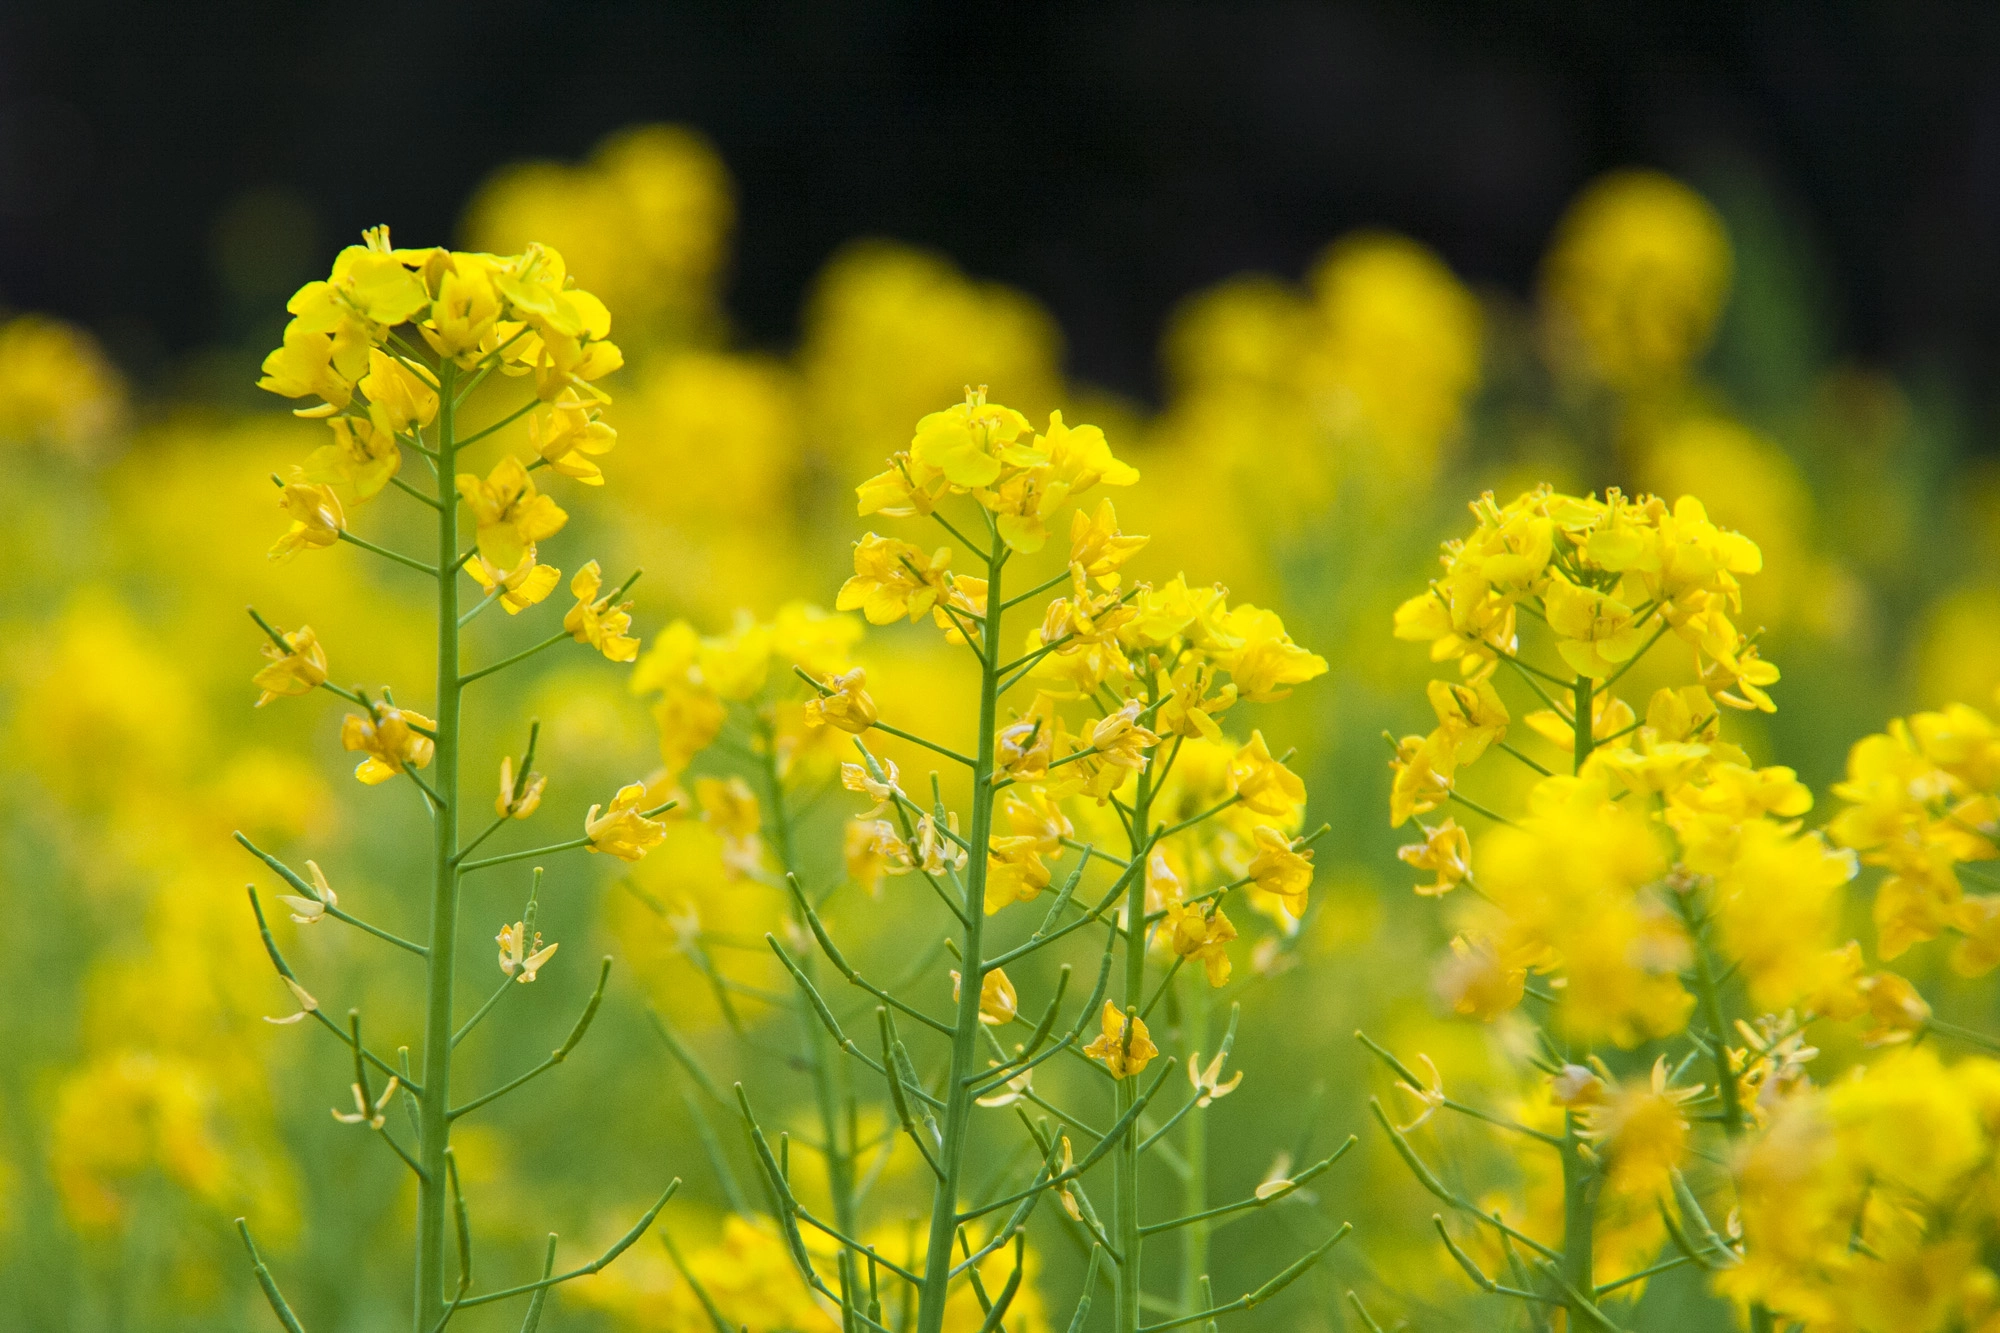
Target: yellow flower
(816,639)
(870,849)
(522,586)
(57,388)
(510,514)
(1119,740)
(595,621)
(1281,870)
(1187,708)
(1479,981)
(1026,746)
(1446,852)
(1597,633)
(893,579)
(1097,546)
(399,398)
(1896,1012)
(301,670)
(466,311)
(1638,274)
(314,361)
(569,436)
(883,790)
(358,464)
(1203,933)
(368,280)
(519,796)
(390,739)
(1641,1133)
(1264,658)
(965,442)
(849,707)
(1424,767)
(513,944)
(623,830)
(731,811)
(998,1004)
(1124,1045)
(317,519)
(1265,785)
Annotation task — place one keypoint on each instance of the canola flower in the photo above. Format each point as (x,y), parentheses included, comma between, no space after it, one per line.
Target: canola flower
(1784,1199)
(1661,859)
(391,345)
(1130,685)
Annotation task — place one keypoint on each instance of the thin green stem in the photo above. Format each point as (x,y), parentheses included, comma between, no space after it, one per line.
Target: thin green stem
(388,554)
(966,1023)
(502,423)
(434,1111)
(506,662)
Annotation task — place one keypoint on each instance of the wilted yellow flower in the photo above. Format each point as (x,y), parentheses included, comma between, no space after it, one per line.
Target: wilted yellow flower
(596,621)
(870,849)
(391,739)
(305,911)
(1446,852)
(1201,932)
(623,831)
(998,1004)
(316,515)
(513,945)
(848,707)
(301,670)
(519,796)
(1124,1045)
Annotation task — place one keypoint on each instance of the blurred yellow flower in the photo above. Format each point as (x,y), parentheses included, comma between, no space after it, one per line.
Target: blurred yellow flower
(1636,277)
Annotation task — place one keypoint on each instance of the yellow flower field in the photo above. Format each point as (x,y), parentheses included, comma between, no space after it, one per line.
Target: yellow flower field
(1447,821)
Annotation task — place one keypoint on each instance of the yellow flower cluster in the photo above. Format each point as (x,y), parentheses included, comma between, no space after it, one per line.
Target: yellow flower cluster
(1925,798)
(694,678)
(1596,884)
(520,314)
(1869,1204)
(1155,667)
(1607,577)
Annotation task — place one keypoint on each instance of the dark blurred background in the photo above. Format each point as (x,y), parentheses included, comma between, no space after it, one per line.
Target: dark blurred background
(1107,158)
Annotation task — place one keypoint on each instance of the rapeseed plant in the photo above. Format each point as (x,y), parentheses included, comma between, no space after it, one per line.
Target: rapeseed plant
(356,342)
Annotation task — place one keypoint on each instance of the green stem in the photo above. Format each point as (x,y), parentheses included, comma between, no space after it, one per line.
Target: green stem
(828,1070)
(1708,991)
(1578,1175)
(965,1050)
(1125,1160)
(1194,1150)
(434,1111)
